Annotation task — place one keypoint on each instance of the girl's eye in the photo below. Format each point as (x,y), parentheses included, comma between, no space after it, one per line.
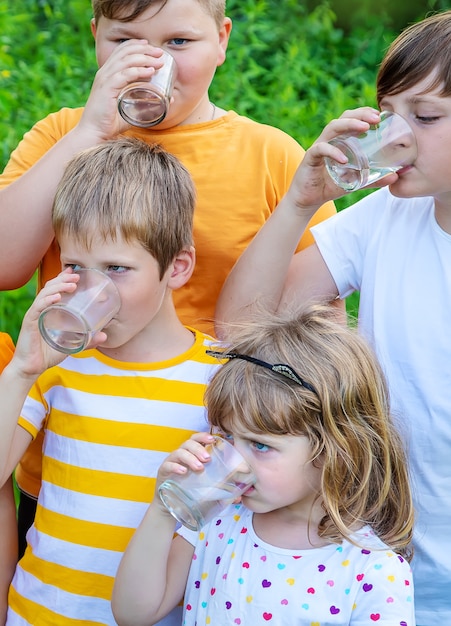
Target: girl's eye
(260,447)
(228,437)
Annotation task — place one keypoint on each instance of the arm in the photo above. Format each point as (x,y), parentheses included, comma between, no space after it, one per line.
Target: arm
(268,273)
(152,575)
(8,545)
(31,357)
(8,522)
(25,214)
(389,577)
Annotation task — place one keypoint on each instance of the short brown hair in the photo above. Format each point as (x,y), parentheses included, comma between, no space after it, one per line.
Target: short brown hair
(130,188)
(129,10)
(423,50)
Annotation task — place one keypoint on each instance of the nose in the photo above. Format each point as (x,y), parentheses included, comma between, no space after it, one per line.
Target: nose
(245,467)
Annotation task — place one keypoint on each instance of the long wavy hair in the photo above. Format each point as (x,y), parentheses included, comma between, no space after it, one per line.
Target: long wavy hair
(345,414)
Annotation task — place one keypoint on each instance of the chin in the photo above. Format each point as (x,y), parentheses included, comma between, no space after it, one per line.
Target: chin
(400,190)
(109,345)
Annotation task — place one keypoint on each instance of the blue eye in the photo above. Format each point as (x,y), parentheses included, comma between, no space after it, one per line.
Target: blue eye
(117,269)
(74,266)
(260,447)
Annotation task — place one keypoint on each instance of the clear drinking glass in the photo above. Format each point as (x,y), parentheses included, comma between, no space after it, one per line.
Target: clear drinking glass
(385,148)
(70,324)
(196,498)
(146,103)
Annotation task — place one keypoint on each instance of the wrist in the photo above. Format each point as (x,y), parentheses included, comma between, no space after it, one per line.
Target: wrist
(15,385)
(84,136)
(298,212)
(16,373)
(158,510)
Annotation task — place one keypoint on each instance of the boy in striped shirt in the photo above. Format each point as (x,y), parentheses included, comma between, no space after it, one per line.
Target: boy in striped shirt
(112,412)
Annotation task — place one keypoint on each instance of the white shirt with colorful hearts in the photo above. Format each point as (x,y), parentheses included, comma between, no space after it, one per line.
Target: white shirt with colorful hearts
(235,578)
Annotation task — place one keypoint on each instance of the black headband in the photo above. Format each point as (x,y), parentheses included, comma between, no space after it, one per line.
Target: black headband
(278,368)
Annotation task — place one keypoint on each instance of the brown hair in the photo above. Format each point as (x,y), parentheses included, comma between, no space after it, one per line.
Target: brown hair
(345,414)
(129,10)
(423,50)
(128,187)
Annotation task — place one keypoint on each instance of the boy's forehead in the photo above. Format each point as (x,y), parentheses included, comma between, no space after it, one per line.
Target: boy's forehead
(132,11)
(427,90)
(105,245)
(126,11)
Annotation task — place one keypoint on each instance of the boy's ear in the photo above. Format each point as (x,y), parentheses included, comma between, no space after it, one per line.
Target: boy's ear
(93,28)
(182,268)
(224,35)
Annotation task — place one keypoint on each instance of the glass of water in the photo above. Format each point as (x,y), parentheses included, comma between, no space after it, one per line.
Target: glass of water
(195,498)
(146,103)
(69,325)
(385,148)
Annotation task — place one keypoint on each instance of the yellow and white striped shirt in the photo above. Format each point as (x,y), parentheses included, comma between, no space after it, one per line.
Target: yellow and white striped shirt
(108,427)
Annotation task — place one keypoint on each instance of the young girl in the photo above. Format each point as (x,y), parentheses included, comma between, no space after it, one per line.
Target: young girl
(324,535)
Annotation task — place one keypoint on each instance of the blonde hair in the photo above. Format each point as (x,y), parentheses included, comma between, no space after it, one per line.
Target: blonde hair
(421,51)
(129,188)
(343,410)
(129,10)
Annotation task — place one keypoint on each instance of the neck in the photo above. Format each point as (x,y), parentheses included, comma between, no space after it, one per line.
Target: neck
(284,529)
(205,112)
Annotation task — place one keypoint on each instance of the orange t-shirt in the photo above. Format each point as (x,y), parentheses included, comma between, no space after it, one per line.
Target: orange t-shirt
(6,350)
(241,170)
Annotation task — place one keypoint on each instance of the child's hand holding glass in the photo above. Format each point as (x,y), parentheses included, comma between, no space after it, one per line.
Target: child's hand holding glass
(203,479)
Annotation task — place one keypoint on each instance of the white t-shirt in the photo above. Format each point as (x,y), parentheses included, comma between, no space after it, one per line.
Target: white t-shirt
(236,578)
(393,251)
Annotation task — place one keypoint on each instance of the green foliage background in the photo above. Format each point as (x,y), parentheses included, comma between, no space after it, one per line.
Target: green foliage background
(293,64)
